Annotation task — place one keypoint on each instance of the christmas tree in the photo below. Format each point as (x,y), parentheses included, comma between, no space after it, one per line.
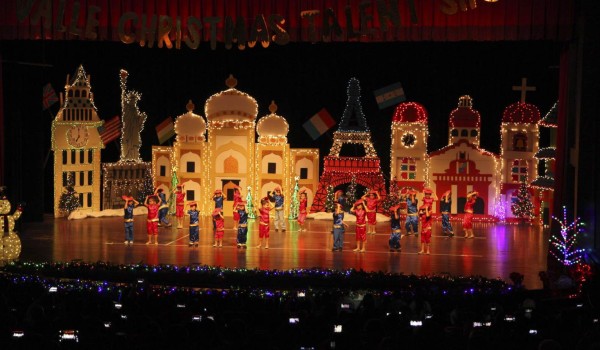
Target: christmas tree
(250,204)
(295,202)
(69,199)
(329,200)
(392,198)
(562,245)
(173,196)
(500,210)
(146,187)
(523,208)
(351,191)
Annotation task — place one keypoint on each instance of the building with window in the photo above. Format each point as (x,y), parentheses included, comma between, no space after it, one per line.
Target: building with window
(76,144)
(224,152)
(463,166)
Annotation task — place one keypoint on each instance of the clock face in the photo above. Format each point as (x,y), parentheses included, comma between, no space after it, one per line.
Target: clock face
(77,136)
(409,140)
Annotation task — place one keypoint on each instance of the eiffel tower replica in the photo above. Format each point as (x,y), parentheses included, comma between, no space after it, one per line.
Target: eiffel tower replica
(338,170)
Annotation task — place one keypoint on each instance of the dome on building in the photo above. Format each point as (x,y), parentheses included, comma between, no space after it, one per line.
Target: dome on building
(410,112)
(231,104)
(190,127)
(464,116)
(521,112)
(272,127)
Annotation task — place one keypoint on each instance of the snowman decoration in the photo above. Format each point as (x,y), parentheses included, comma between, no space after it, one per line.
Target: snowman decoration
(10,244)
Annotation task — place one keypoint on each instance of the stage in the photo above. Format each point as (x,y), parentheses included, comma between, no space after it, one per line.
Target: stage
(496,251)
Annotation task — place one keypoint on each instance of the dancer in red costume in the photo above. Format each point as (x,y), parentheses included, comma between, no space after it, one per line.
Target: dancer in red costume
(371,200)
(219,226)
(426,220)
(152,219)
(358,209)
(179,205)
(302,210)
(264,227)
(468,218)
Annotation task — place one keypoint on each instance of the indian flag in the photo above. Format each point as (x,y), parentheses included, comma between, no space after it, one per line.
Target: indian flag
(165,130)
(319,123)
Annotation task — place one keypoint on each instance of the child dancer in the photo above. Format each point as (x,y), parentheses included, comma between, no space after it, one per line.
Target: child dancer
(302,210)
(152,219)
(194,224)
(219,225)
(130,203)
(429,198)
(338,228)
(242,234)
(371,199)
(237,197)
(394,241)
(358,209)
(218,198)
(179,205)
(263,228)
(425,214)
(445,207)
(277,197)
(412,220)
(468,218)
(163,208)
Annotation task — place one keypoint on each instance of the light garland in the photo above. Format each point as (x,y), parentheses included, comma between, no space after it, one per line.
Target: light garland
(550,120)
(467,119)
(564,243)
(226,96)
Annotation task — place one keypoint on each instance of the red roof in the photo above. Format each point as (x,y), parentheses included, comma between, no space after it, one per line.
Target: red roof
(521,112)
(464,117)
(410,112)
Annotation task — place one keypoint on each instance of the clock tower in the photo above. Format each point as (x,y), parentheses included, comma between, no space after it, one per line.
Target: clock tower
(76,144)
(409,161)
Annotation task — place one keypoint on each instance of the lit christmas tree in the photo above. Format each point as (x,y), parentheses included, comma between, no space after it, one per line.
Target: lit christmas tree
(523,208)
(351,191)
(562,245)
(173,196)
(329,201)
(295,202)
(500,210)
(69,199)
(250,204)
(146,186)
(392,198)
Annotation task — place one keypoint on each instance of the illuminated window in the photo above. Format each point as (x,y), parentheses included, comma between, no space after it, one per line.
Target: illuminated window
(519,170)
(408,169)
(520,142)
(304,173)
(272,168)
(163,170)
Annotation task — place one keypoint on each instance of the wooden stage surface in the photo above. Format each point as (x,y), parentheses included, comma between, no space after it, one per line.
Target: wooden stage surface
(496,251)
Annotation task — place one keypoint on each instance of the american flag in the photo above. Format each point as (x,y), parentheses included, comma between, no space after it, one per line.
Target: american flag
(48,97)
(110,130)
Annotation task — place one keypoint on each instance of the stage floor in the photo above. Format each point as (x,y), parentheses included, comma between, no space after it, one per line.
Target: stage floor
(496,251)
